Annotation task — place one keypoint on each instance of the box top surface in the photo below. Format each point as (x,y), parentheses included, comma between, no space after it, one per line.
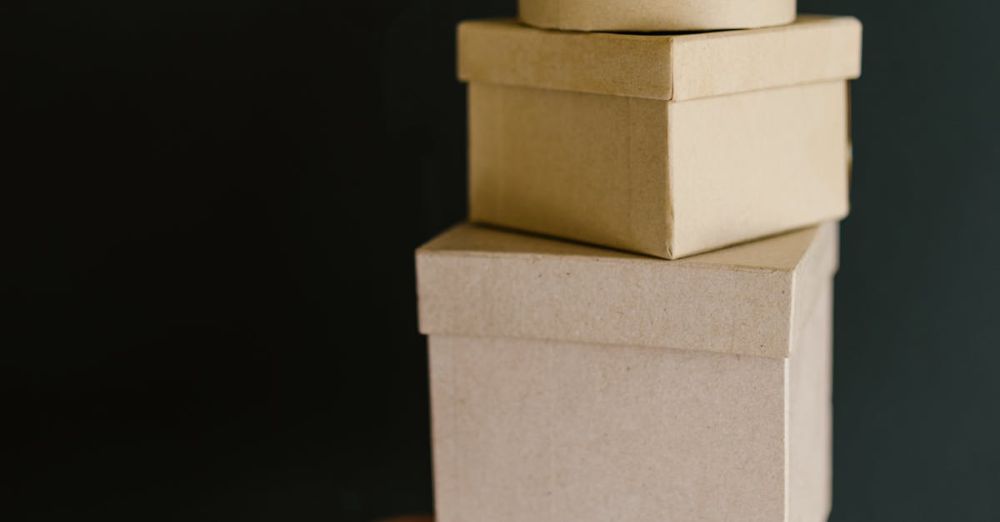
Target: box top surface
(747,299)
(676,66)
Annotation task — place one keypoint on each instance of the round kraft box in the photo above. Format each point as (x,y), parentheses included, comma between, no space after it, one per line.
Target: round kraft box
(655,15)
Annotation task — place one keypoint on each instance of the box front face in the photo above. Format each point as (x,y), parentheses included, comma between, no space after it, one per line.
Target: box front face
(578,166)
(748,165)
(545,431)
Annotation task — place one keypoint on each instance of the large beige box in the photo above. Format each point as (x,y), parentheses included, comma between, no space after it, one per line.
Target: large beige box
(668,145)
(655,15)
(577,384)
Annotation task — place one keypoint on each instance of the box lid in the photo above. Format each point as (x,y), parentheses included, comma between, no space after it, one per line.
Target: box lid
(749,299)
(655,15)
(660,66)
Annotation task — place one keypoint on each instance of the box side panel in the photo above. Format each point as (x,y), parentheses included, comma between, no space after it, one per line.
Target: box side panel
(810,416)
(754,164)
(655,15)
(541,431)
(577,166)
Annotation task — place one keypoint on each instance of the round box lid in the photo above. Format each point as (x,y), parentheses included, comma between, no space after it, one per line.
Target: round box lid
(655,15)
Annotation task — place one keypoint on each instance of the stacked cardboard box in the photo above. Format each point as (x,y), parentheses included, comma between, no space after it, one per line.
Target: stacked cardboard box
(578,383)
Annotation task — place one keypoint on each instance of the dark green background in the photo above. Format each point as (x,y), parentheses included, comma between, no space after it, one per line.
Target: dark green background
(209,215)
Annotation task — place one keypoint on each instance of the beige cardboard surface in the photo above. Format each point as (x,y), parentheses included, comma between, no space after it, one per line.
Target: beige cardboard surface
(754,164)
(664,145)
(810,414)
(551,431)
(667,67)
(655,15)
(481,282)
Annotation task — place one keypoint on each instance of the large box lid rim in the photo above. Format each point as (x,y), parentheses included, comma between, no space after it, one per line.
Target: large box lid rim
(747,300)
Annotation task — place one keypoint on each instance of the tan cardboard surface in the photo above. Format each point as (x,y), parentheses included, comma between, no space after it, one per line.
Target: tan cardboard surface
(754,164)
(655,15)
(666,179)
(667,67)
(551,431)
(571,165)
(665,145)
(661,178)
(478,281)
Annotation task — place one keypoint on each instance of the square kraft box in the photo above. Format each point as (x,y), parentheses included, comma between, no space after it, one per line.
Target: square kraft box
(668,145)
(572,383)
